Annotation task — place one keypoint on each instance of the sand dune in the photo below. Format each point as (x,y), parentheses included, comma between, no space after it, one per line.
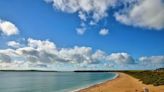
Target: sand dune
(123,83)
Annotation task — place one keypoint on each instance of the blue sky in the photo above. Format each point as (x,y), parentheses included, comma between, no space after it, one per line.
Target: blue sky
(57,23)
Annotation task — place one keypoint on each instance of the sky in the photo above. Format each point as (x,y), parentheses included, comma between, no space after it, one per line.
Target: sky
(81,34)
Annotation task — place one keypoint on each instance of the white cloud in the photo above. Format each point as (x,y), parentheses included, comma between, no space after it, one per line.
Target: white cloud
(91,11)
(41,45)
(8,28)
(144,13)
(98,8)
(82,16)
(121,58)
(76,54)
(104,32)
(44,53)
(81,31)
(138,13)
(13,44)
(152,60)
(100,55)
(4,58)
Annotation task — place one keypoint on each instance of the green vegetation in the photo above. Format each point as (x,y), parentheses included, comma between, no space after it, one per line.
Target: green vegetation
(148,77)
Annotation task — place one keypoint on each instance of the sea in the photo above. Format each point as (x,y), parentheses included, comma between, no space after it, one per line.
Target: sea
(51,81)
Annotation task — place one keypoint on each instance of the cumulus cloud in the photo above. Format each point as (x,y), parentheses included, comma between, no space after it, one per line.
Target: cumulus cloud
(99,55)
(13,44)
(121,58)
(152,60)
(81,31)
(104,32)
(97,8)
(76,54)
(41,45)
(44,53)
(143,13)
(82,16)
(139,13)
(8,28)
(5,58)
(91,11)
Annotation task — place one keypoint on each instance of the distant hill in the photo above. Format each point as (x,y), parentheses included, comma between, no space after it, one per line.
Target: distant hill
(92,71)
(160,69)
(26,71)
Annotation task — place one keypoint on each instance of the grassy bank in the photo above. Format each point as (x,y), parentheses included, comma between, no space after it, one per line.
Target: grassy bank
(148,77)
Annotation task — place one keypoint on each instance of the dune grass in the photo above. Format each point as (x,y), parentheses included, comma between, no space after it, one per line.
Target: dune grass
(148,77)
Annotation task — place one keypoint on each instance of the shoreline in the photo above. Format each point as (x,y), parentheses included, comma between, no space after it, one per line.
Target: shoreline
(122,83)
(98,83)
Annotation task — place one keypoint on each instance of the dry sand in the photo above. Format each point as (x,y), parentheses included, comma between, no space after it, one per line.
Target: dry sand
(123,83)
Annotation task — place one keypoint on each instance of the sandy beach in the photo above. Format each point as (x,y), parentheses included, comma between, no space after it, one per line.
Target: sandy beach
(123,83)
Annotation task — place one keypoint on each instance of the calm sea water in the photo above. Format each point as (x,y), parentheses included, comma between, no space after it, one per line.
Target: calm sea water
(49,81)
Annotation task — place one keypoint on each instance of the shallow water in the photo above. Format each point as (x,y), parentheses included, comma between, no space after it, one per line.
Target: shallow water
(50,81)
